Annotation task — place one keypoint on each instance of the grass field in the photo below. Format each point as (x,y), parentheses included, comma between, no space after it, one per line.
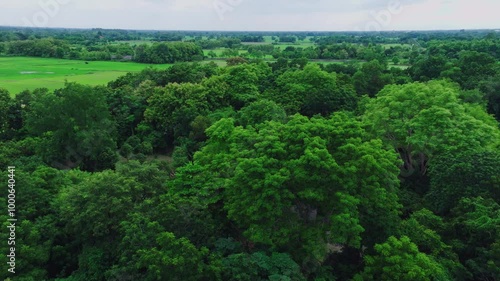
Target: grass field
(21,73)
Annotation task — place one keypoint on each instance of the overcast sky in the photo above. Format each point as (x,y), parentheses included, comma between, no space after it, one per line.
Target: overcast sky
(266,15)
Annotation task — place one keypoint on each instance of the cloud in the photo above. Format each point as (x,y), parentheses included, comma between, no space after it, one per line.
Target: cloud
(257,14)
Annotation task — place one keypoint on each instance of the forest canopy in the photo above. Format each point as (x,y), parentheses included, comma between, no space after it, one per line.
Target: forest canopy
(383,164)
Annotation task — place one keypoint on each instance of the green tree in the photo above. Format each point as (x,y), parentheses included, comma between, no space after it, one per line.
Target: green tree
(468,173)
(171,258)
(172,110)
(259,112)
(75,128)
(400,259)
(422,120)
(428,67)
(259,266)
(312,91)
(371,78)
(425,230)
(5,103)
(317,181)
(491,88)
(476,226)
(474,67)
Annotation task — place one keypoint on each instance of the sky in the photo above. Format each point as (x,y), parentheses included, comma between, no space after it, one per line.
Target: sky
(254,15)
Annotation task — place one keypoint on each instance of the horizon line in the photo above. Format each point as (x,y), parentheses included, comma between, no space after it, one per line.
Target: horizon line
(263,31)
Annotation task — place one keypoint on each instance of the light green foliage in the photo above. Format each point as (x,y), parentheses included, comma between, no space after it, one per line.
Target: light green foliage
(316,181)
(23,73)
(172,259)
(424,229)
(400,259)
(422,120)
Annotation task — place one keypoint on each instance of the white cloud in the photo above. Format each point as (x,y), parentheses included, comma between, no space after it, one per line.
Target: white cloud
(259,14)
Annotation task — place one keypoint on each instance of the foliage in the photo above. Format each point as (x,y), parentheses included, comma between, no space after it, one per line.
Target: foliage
(287,170)
(423,120)
(400,259)
(271,191)
(75,128)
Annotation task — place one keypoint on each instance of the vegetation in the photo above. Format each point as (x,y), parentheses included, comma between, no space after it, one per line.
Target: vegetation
(23,73)
(272,167)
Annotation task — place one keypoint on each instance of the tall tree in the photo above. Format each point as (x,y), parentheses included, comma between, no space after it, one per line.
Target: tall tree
(371,78)
(400,259)
(75,127)
(304,184)
(312,91)
(422,120)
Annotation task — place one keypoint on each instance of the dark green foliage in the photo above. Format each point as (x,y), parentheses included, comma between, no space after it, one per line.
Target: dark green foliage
(287,170)
(75,128)
(260,112)
(312,91)
(465,174)
(259,266)
(370,79)
(167,52)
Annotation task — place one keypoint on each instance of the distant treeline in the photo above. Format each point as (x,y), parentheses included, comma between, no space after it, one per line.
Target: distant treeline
(169,52)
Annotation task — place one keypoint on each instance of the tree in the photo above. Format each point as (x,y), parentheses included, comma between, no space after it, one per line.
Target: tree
(426,230)
(423,120)
(476,229)
(428,67)
(259,266)
(312,91)
(400,259)
(5,103)
(232,61)
(474,67)
(260,112)
(304,180)
(149,252)
(464,174)
(75,127)
(370,79)
(172,110)
(175,259)
(244,83)
(212,54)
(491,88)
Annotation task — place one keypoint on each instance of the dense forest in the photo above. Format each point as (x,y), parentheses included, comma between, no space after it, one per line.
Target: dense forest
(272,167)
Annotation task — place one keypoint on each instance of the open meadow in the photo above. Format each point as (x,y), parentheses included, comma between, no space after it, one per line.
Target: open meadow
(26,73)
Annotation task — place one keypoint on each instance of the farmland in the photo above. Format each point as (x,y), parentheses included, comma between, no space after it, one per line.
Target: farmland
(23,73)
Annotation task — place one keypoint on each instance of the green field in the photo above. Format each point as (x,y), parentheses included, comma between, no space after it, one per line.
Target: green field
(21,73)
